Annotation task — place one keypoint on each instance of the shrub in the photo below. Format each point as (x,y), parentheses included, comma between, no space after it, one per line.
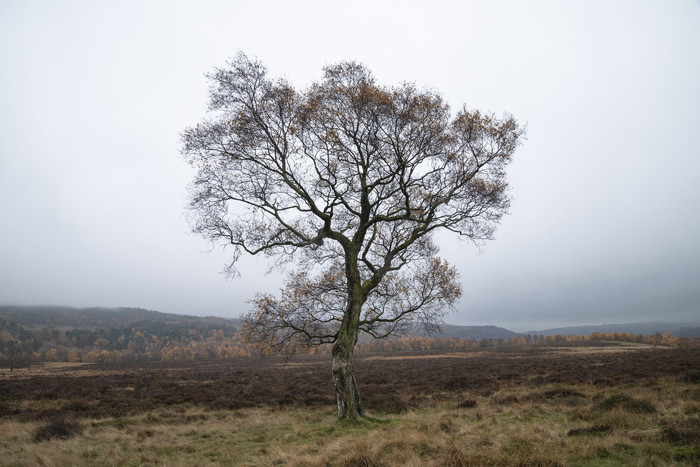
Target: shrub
(505,400)
(562,393)
(391,406)
(686,432)
(626,403)
(467,404)
(593,430)
(60,428)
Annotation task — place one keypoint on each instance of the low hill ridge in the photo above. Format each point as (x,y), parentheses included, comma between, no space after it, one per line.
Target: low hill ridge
(99,317)
(677,329)
(104,318)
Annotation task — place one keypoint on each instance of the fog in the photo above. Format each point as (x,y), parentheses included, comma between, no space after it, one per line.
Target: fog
(603,227)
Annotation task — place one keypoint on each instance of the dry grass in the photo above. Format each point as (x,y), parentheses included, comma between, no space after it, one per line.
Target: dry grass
(615,347)
(653,424)
(526,406)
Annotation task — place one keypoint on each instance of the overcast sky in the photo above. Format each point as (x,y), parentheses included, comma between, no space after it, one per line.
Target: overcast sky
(604,224)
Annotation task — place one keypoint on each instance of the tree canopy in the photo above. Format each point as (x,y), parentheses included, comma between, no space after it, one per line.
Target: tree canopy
(345,181)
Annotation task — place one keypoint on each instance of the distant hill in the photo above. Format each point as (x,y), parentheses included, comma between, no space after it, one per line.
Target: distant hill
(677,329)
(476,332)
(37,317)
(99,317)
(41,328)
(92,335)
(108,335)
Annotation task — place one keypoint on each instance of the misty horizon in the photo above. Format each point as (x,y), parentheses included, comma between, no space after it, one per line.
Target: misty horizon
(602,227)
(447,322)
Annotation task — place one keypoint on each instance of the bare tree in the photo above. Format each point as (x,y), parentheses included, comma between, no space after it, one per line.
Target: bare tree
(347,181)
(16,355)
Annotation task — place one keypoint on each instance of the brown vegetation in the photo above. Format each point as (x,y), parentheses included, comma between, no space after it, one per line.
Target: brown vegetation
(128,388)
(527,406)
(203,340)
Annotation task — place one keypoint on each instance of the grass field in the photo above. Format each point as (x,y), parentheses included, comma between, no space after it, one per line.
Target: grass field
(594,406)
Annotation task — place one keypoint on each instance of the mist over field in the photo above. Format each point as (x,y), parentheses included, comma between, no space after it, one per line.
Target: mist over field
(601,229)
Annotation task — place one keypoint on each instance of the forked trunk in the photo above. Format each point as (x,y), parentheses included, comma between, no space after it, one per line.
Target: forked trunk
(346,392)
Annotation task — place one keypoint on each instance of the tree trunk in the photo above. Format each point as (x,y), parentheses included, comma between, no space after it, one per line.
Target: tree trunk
(346,393)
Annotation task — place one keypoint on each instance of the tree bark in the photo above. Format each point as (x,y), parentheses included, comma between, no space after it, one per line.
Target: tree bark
(346,393)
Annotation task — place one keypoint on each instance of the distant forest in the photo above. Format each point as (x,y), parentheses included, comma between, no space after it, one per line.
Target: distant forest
(35,334)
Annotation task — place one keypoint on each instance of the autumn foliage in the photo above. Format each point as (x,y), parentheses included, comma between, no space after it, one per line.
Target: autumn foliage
(170,341)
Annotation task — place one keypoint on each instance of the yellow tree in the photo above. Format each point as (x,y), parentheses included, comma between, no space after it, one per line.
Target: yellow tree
(344,183)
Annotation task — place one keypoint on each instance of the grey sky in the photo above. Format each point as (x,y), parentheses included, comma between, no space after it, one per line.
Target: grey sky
(604,223)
